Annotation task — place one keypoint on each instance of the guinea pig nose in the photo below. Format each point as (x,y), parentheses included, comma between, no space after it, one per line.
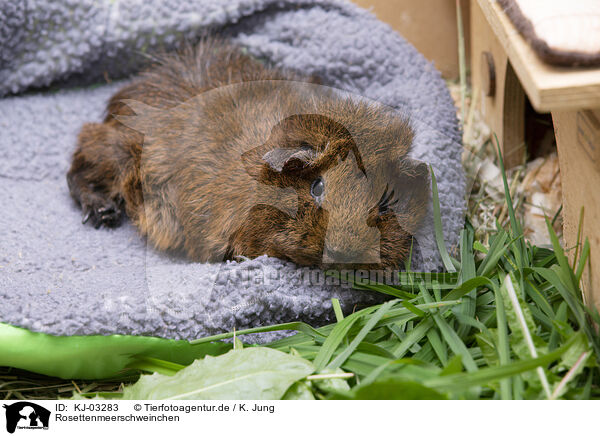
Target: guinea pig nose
(337,255)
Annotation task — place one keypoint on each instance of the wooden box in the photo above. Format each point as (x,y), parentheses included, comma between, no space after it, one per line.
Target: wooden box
(429,25)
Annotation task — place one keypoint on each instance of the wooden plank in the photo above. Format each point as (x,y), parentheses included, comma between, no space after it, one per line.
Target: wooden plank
(578,141)
(548,87)
(430,26)
(503,107)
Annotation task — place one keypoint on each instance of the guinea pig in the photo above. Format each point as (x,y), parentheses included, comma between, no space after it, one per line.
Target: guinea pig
(218,155)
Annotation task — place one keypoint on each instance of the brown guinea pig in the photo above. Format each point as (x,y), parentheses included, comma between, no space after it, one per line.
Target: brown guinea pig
(215,154)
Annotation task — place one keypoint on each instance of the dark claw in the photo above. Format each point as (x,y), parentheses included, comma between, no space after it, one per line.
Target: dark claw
(106,213)
(86,217)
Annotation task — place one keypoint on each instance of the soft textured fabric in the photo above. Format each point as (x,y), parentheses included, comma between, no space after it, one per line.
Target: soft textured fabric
(58,276)
(560,32)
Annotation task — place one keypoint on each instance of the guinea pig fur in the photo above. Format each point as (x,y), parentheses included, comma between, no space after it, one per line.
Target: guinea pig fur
(217,155)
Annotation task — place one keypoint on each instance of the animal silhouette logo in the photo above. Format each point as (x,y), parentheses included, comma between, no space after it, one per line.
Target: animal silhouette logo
(26,415)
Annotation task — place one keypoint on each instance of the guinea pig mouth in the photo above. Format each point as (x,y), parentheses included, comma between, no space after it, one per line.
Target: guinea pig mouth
(339,256)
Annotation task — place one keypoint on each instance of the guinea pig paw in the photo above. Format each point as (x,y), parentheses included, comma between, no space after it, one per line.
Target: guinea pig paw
(107,213)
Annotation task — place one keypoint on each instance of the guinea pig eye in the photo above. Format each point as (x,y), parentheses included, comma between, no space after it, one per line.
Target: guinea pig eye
(317,188)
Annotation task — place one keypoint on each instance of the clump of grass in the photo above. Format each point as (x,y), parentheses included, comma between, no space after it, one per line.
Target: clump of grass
(18,384)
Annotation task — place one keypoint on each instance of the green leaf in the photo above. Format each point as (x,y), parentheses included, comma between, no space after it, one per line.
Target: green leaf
(391,388)
(258,373)
(487,348)
(521,323)
(332,384)
(92,357)
(570,357)
(299,391)
(519,330)
(480,247)
(454,366)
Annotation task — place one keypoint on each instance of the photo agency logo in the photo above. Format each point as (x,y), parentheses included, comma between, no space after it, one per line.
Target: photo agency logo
(292,170)
(24,415)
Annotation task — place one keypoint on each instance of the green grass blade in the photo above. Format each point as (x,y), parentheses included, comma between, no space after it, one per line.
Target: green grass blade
(518,310)
(503,343)
(516,228)
(455,343)
(335,338)
(151,364)
(459,382)
(438,346)
(565,268)
(496,251)
(341,358)
(337,309)
(467,287)
(437,221)
(298,326)
(467,272)
(585,253)
(413,337)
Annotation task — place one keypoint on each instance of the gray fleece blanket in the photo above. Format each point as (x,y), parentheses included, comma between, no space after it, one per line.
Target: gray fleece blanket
(60,277)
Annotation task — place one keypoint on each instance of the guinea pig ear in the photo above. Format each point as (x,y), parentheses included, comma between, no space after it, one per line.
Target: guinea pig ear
(289,159)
